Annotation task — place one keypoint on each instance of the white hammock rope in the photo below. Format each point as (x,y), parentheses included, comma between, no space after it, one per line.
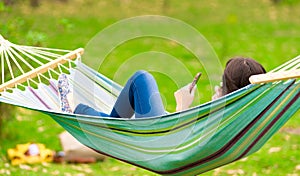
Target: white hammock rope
(8,64)
(288,65)
(45,49)
(21,58)
(31,57)
(2,65)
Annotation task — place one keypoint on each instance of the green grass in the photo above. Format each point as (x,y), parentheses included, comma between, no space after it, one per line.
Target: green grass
(258,29)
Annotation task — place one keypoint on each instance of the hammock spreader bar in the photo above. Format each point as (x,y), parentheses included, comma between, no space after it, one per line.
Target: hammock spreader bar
(272,77)
(42,69)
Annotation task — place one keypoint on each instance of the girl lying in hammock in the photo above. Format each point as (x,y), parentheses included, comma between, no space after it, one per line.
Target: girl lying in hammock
(140,95)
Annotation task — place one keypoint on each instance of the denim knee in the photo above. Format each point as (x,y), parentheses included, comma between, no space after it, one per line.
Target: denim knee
(87,110)
(142,74)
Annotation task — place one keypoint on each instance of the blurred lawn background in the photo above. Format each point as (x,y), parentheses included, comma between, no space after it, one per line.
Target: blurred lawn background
(265,30)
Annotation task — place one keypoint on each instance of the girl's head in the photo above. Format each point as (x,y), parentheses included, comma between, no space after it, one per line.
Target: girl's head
(237,72)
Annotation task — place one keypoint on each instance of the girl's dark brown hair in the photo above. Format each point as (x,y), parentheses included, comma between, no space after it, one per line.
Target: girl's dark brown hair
(237,72)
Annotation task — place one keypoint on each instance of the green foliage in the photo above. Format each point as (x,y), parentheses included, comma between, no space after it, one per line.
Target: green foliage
(35,38)
(2,7)
(66,24)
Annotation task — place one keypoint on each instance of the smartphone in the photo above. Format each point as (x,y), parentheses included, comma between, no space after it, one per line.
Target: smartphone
(196,78)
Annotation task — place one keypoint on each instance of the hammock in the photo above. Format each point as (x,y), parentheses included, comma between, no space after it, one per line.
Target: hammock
(190,142)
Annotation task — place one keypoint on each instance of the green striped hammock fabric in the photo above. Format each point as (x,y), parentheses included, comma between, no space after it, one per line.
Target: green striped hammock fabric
(184,143)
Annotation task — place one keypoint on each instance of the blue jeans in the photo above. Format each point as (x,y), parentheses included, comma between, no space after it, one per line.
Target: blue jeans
(140,96)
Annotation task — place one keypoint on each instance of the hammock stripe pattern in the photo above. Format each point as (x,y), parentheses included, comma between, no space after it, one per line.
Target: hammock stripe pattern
(186,143)
(206,136)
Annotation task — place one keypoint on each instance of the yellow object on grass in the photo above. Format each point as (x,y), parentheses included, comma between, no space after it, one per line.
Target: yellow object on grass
(30,153)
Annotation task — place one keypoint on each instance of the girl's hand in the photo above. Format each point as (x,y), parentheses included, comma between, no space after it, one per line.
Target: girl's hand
(184,97)
(218,93)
